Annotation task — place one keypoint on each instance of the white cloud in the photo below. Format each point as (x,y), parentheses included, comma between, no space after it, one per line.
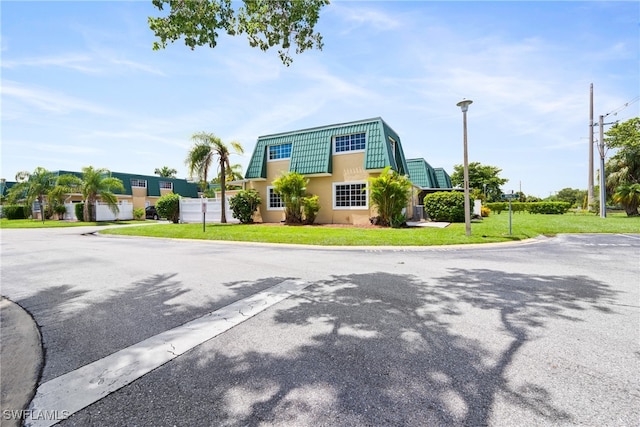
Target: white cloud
(66,148)
(50,101)
(78,62)
(94,63)
(358,16)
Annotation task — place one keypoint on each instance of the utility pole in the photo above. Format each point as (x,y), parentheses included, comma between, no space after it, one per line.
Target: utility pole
(601,149)
(603,190)
(590,184)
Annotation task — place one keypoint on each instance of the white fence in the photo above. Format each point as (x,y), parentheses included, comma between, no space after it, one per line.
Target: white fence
(191,210)
(103,213)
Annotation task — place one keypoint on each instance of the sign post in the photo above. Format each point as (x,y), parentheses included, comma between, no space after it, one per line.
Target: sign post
(510,197)
(204,212)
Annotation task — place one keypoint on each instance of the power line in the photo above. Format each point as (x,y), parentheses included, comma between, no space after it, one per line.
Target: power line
(622,107)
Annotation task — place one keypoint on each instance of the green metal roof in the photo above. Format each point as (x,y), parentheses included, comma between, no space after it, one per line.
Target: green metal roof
(444,180)
(422,174)
(311,151)
(180,186)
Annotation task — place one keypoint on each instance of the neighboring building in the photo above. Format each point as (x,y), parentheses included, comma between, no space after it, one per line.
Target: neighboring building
(337,159)
(427,179)
(142,190)
(444,180)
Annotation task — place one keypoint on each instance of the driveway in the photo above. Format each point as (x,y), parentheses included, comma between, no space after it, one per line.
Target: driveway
(537,333)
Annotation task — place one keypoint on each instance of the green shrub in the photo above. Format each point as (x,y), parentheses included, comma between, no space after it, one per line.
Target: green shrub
(168,206)
(60,211)
(389,194)
(310,208)
(519,206)
(445,206)
(78,209)
(138,214)
(498,206)
(244,205)
(14,212)
(549,208)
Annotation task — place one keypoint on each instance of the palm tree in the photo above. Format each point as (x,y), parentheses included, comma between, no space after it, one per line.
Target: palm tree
(35,186)
(628,195)
(95,184)
(233,173)
(165,172)
(200,159)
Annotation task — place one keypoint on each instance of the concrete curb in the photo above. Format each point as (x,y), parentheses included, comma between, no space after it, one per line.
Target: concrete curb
(21,361)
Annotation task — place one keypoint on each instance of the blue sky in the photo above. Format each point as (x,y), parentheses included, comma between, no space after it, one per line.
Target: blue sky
(81,85)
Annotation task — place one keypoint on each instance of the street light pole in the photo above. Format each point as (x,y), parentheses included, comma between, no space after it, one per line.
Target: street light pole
(464,105)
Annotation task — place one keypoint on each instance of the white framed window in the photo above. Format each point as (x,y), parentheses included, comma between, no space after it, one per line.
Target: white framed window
(350,195)
(275,202)
(141,183)
(346,143)
(279,152)
(166,185)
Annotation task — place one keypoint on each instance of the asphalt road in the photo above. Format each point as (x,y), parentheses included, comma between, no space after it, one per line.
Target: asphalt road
(538,333)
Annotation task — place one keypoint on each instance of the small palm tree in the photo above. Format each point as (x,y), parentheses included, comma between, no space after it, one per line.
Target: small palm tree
(628,195)
(390,193)
(35,186)
(165,172)
(95,184)
(292,188)
(200,159)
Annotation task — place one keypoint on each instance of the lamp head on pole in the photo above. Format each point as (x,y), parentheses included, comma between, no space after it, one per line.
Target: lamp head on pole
(464,104)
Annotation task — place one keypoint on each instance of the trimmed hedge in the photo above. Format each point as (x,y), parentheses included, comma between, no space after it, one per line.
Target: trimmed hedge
(548,208)
(445,206)
(497,206)
(14,212)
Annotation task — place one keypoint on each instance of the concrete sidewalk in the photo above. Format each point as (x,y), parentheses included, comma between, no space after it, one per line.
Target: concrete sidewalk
(21,360)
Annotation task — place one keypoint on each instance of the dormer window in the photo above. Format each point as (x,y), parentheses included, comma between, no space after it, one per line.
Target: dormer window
(279,152)
(353,142)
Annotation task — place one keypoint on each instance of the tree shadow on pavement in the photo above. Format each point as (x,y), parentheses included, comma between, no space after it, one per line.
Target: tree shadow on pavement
(77,330)
(369,349)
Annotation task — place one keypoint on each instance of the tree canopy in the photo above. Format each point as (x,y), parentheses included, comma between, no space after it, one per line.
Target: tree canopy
(479,176)
(35,186)
(570,195)
(267,23)
(623,168)
(95,184)
(165,172)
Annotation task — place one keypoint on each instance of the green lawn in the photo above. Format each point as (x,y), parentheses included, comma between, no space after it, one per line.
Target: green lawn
(31,223)
(495,228)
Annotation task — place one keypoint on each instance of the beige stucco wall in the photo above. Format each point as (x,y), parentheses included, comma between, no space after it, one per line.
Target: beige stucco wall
(346,168)
(139,197)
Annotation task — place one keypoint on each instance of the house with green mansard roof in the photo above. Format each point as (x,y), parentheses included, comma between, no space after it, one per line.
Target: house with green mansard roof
(337,159)
(144,190)
(427,179)
(444,180)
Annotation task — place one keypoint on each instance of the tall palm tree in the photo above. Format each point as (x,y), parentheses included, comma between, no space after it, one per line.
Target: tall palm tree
(35,186)
(206,148)
(95,184)
(233,173)
(166,172)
